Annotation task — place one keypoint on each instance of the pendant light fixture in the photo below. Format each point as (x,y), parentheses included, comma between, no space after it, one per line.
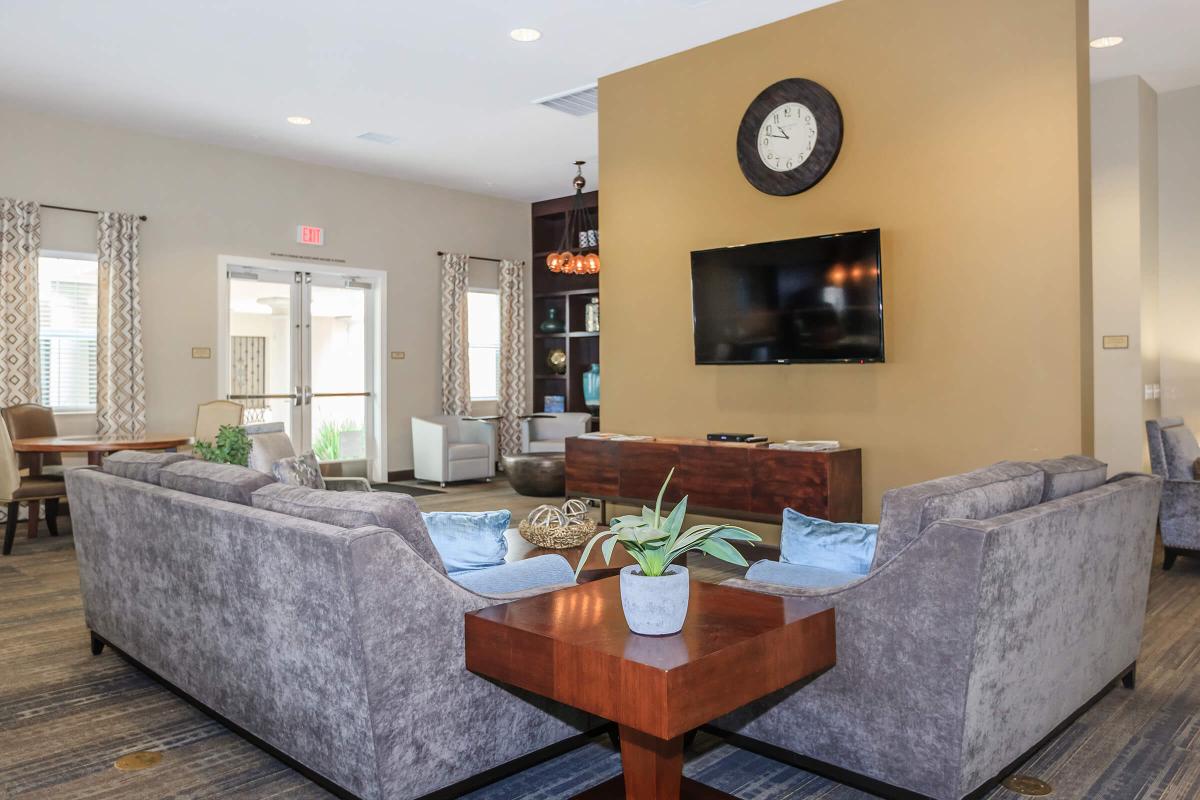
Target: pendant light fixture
(577,252)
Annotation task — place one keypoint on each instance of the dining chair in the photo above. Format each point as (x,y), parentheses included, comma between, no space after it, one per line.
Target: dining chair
(26,420)
(212,415)
(16,489)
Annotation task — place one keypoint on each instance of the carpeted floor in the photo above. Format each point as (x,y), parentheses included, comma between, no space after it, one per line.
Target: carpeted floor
(65,716)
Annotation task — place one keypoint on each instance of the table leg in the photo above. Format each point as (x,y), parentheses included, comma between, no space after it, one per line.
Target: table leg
(652,769)
(95,458)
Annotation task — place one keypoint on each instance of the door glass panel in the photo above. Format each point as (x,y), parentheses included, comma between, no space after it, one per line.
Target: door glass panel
(340,376)
(260,348)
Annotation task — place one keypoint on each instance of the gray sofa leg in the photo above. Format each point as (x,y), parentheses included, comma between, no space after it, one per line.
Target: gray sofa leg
(97,644)
(1129,679)
(1169,556)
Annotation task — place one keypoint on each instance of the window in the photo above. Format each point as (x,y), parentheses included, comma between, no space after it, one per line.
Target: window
(67,332)
(483,334)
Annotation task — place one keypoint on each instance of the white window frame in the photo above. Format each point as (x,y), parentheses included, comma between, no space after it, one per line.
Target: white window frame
(494,398)
(76,256)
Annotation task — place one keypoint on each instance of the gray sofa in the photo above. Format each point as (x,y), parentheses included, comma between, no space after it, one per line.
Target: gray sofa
(340,646)
(1173,454)
(999,603)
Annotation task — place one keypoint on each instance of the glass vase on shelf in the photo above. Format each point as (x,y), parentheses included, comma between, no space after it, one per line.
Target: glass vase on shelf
(591,316)
(552,324)
(591,388)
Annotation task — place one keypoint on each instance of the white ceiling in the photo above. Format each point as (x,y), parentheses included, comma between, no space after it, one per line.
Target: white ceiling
(443,77)
(1162,41)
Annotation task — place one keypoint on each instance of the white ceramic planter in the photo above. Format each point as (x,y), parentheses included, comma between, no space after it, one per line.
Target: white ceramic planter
(655,606)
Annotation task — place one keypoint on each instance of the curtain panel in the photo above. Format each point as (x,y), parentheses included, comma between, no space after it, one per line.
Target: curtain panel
(120,372)
(514,361)
(456,366)
(20,241)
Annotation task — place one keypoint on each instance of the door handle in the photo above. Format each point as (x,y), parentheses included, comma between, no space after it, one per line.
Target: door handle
(298,397)
(308,395)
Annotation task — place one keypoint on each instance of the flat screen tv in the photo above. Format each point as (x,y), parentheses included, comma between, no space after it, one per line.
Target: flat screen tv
(800,301)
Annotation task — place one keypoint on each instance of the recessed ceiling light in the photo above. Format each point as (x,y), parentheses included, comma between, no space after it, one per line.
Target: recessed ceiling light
(300,120)
(525,34)
(1107,41)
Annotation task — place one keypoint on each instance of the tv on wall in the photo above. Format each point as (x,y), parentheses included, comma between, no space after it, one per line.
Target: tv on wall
(800,301)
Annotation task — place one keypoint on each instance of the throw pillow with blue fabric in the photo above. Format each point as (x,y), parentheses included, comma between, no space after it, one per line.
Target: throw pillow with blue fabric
(469,541)
(817,553)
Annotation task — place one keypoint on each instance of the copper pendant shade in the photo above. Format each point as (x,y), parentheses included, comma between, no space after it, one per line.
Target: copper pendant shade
(576,253)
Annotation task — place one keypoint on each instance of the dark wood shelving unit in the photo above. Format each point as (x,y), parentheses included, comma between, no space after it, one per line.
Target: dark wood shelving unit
(567,294)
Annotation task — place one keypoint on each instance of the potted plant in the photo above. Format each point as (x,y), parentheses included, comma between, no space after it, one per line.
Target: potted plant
(654,591)
(231,446)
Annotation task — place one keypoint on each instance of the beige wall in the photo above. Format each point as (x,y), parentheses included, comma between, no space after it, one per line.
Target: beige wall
(1179,257)
(204,200)
(965,134)
(1125,266)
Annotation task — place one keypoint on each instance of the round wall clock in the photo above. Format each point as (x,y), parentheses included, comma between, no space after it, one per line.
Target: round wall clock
(789,137)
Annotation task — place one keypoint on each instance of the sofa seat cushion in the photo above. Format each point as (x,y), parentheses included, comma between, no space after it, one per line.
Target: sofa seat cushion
(980,494)
(353,510)
(469,540)
(1070,475)
(1181,450)
(530,573)
(227,482)
(467,450)
(799,575)
(840,546)
(139,465)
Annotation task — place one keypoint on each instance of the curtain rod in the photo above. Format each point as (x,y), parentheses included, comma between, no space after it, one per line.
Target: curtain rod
(476,258)
(142,217)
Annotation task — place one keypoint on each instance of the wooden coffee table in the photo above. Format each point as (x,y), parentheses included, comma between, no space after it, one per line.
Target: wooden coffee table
(573,646)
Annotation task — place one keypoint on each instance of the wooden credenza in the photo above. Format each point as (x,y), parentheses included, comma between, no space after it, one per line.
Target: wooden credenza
(743,481)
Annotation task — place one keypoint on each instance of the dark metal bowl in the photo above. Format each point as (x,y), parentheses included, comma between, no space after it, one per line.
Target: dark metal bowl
(536,474)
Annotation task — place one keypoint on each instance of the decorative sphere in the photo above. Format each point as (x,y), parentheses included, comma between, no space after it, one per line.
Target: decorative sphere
(549,516)
(575,511)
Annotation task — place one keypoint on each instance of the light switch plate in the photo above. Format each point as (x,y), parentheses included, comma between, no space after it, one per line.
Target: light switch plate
(397,355)
(201,352)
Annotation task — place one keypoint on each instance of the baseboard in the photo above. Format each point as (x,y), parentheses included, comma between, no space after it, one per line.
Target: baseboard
(451,792)
(401,475)
(888,791)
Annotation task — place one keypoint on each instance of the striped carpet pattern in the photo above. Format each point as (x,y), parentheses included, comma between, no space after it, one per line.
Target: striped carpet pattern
(66,716)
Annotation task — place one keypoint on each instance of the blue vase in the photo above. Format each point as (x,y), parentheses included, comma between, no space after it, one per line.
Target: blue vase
(591,387)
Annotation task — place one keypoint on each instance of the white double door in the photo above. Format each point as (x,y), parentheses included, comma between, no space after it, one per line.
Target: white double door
(302,346)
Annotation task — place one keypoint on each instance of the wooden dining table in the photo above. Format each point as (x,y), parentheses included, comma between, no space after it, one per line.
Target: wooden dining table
(95,446)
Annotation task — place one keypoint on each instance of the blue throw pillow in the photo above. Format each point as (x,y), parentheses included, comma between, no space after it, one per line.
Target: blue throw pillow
(840,546)
(469,540)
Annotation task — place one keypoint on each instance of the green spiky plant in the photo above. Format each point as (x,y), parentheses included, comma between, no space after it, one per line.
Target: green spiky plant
(654,541)
(232,446)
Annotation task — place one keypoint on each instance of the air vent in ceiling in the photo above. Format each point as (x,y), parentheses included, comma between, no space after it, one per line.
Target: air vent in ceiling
(378,138)
(577,102)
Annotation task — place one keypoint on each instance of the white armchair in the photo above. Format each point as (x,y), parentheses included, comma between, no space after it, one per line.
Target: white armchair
(269,442)
(547,433)
(449,448)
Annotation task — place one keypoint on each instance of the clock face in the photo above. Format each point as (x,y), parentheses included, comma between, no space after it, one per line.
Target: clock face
(787,137)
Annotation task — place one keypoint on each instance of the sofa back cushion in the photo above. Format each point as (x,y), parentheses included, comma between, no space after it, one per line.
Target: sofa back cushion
(1181,451)
(139,465)
(353,510)
(227,482)
(981,494)
(1070,475)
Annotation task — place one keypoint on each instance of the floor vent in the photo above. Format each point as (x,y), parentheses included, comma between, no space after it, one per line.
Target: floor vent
(576,102)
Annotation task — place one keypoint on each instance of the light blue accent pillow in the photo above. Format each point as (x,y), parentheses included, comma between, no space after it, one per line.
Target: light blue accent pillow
(838,546)
(469,540)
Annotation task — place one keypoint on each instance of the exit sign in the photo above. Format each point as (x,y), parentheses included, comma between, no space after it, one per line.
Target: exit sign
(307,234)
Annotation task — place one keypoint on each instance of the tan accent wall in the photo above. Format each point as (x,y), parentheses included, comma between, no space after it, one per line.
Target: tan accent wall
(966,143)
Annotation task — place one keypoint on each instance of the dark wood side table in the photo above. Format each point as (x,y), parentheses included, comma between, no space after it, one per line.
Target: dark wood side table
(573,646)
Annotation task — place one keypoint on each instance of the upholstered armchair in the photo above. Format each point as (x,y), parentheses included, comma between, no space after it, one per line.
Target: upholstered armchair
(547,433)
(1173,456)
(269,442)
(448,448)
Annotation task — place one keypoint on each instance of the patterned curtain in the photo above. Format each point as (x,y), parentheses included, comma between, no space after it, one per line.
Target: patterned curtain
(20,240)
(514,325)
(120,374)
(248,359)
(456,370)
